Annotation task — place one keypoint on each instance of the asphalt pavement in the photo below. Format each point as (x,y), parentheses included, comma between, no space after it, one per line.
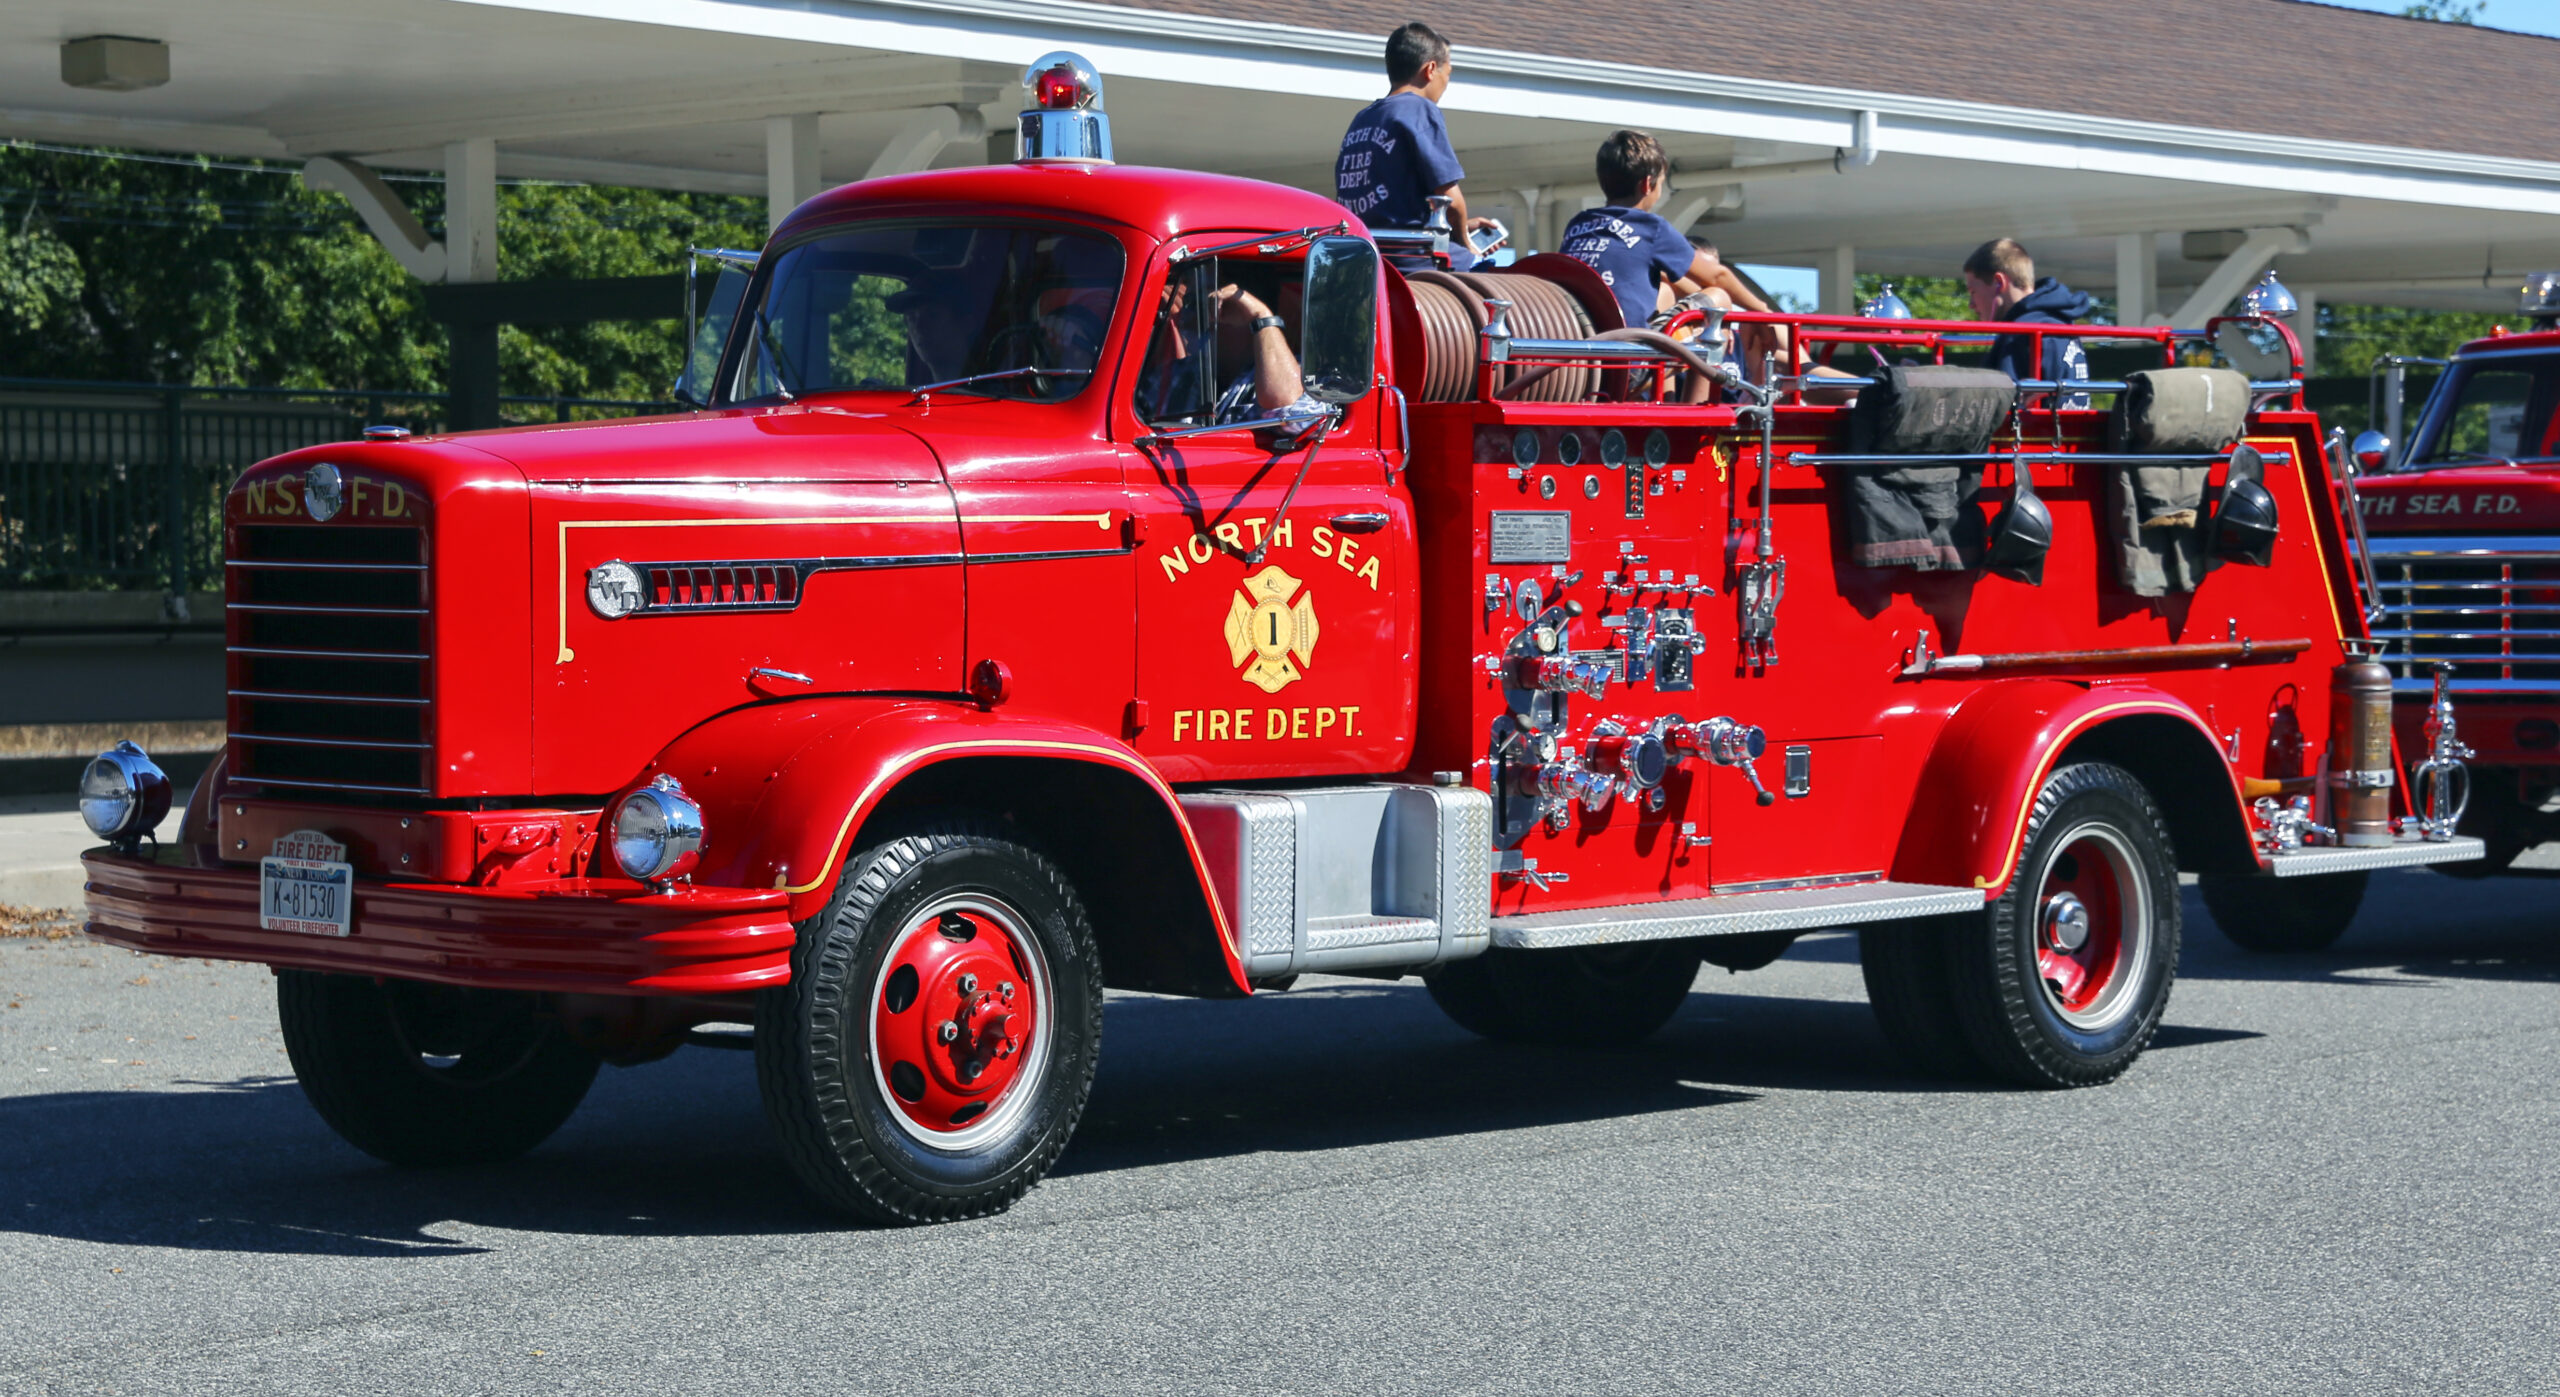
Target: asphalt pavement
(2333,1173)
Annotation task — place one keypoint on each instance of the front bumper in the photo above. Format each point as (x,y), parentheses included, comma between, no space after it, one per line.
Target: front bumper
(574,936)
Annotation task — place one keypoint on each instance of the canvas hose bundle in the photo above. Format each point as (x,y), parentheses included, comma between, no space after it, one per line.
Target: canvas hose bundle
(1917,515)
(2155,514)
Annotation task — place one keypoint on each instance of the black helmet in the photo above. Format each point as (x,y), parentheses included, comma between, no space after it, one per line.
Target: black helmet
(2021,535)
(2244,523)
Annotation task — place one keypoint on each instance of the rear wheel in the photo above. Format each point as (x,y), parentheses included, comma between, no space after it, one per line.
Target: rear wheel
(1579,995)
(421,1074)
(2062,979)
(1909,968)
(935,1045)
(2277,915)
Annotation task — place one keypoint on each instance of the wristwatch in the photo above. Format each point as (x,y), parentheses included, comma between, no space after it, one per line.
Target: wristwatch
(1268,322)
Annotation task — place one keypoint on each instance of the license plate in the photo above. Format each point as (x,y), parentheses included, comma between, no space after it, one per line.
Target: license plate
(314,896)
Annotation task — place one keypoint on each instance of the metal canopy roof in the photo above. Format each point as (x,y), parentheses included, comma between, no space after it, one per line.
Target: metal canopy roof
(2072,156)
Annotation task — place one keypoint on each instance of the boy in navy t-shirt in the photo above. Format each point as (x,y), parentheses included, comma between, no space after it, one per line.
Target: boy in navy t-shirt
(1634,249)
(1396,154)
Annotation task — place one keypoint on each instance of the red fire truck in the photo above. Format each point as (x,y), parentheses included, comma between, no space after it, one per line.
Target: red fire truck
(1082,576)
(2463,530)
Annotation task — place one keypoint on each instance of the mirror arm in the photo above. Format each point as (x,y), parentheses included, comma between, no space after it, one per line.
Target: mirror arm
(1323,425)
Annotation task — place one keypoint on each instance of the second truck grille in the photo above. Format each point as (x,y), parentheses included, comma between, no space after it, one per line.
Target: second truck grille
(330,646)
(2488,606)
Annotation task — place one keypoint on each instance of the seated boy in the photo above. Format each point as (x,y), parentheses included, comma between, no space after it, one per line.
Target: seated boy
(1635,250)
(1396,154)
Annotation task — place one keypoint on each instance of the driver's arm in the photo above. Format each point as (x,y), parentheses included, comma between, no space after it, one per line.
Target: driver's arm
(1276,383)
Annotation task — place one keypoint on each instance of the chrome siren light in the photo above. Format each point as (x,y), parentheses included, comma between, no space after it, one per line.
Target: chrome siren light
(2540,299)
(1885,305)
(1065,121)
(2269,298)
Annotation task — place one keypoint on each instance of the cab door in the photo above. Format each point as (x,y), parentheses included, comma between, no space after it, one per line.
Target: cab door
(1277,632)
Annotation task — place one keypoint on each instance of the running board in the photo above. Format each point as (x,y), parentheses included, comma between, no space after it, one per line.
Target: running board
(1735,914)
(2404,852)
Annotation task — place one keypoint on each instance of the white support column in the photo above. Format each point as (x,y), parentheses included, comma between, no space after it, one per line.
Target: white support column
(2137,278)
(790,164)
(1837,274)
(2259,251)
(2306,328)
(1527,238)
(922,139)
(471,211)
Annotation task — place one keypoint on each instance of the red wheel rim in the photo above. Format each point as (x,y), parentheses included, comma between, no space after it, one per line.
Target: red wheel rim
(960,1022)
(2092,915)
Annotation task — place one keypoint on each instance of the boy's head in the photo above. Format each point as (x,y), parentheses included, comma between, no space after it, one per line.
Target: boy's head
(1418,58)
(1997,276)
(1629,161)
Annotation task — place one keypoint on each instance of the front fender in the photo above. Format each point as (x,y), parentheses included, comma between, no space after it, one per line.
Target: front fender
(786,788)
(1993,755)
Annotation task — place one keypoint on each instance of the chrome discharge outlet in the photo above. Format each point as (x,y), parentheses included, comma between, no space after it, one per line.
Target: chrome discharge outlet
(1727,742)
(2442,783)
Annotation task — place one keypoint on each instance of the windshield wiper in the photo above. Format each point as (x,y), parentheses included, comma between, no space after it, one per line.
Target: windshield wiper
(925,394)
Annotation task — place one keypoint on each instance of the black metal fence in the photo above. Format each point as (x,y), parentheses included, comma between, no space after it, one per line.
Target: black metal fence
(118,486)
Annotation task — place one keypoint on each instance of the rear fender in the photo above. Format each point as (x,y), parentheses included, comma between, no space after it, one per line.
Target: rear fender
(788,790)
(1979,785)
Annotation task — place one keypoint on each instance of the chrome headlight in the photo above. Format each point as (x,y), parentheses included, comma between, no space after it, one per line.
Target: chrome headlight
(123,794)
(657,832)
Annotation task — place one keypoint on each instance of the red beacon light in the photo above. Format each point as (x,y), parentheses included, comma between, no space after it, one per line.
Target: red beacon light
(1065,122)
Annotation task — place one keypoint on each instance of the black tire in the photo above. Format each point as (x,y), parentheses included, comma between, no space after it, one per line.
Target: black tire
(428,1075)
(2279,915)
(866,1147)
(2501,819)
(1909,968)
(1580,996)
(2012,1016)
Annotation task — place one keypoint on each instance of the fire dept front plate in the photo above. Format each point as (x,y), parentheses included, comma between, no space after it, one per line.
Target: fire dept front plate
(305,885)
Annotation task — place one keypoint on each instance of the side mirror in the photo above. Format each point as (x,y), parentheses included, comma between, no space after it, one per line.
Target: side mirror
(1338,339)
(2371,451)
(707,319)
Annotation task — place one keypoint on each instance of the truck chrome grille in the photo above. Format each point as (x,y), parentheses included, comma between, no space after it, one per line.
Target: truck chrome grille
(330,651)
(2488,606)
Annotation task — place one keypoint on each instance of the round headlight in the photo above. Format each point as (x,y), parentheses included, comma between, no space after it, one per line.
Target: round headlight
(323,491)
(657,832)
(123,795)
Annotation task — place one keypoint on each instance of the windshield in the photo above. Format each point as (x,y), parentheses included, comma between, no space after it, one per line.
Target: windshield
(901,306)
(2493,409)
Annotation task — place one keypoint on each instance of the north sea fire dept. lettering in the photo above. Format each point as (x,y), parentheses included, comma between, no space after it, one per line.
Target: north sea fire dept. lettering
(2481,505)
(367,498)
(1236,537)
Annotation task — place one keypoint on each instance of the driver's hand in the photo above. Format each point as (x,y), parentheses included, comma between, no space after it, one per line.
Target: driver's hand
(1237,306)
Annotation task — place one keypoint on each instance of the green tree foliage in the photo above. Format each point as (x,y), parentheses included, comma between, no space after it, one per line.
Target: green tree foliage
(2449,11)
(154,269)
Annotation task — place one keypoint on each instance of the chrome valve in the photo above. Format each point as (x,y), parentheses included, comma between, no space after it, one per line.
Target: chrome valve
(1726,743)
(1638,759)
(1569,783)
(1564,674)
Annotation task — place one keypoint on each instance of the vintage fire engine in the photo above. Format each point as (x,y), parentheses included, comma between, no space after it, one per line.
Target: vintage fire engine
(2463,536)
(1087,576)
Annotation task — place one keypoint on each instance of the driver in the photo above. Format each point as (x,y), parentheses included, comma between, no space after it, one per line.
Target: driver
(1169,384)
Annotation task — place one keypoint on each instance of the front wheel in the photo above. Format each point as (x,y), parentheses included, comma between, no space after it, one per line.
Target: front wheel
(2278,915)
(426,1075)
(935,1045)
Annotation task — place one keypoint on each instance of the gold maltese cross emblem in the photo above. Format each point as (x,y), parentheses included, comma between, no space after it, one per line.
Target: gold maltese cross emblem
(1264,626)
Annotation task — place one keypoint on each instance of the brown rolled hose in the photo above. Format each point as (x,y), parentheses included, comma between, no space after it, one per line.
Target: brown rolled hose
(1453,314)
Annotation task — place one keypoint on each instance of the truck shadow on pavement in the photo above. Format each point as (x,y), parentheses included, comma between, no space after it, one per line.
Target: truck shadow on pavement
(679,1148)
(2414,928)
